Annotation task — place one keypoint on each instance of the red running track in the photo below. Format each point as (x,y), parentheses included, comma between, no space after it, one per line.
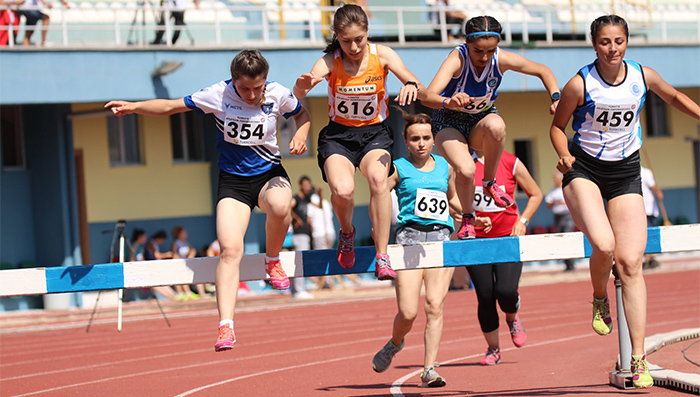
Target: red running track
(325,349)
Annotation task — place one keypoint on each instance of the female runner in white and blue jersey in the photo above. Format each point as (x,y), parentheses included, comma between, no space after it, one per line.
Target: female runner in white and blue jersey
(605,99)
(465,114)
(250,173)
(425,188)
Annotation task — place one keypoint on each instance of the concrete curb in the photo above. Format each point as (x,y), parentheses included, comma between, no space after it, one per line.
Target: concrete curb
(670,378)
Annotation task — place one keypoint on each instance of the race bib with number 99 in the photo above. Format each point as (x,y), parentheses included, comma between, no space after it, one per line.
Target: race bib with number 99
(245,131)
(431,204)
(484,203)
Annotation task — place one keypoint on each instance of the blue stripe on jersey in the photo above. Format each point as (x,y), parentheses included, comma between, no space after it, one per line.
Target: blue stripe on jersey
(467,82)
(241,160)
(190,104)
(293,112)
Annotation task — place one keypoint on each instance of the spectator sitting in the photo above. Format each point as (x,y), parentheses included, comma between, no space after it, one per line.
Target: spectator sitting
(152,252)
(9,17)
(452,18)
(33,16)
(183,250)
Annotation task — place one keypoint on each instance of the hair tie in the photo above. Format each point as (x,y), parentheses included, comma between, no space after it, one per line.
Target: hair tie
(483,33)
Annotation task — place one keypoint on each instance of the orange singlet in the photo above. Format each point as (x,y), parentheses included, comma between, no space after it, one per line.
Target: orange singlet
(356,101)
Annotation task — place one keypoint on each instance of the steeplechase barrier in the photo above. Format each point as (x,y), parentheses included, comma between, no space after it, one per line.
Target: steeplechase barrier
(143,274)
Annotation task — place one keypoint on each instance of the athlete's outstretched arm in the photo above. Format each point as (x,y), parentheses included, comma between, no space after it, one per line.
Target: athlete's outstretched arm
(307,81)
(297,145)
(154,107)
(392,61)
(432,98)
(571,97)
(669,94)
(534,194)
(512,61)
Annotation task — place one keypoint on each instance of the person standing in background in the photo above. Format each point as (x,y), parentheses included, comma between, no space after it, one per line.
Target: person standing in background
(177,12)
(563,222)
(653,200)
(302,231)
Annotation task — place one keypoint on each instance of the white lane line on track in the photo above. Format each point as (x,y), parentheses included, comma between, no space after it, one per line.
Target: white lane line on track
(396,386)
(395,389)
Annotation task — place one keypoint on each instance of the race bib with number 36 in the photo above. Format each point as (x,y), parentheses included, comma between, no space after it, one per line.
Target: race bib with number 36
(431,204)
(245,131)
(484,203)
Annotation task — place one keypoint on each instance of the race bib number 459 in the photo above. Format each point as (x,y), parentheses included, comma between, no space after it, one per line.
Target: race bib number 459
(245,131)
(431,204)
(613,118)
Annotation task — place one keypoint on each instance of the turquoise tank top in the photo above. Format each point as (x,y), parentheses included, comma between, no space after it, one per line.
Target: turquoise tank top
(422,195)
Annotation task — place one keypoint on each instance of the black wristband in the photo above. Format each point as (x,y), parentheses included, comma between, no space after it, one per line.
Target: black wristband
(413,83)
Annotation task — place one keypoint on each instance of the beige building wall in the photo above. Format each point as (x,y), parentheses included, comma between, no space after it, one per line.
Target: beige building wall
(158,188)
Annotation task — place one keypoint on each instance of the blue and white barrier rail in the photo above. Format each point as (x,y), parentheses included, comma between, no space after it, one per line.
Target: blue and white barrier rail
(542,247)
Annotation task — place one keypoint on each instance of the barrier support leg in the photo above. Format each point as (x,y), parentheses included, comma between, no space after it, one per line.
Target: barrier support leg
(622,378)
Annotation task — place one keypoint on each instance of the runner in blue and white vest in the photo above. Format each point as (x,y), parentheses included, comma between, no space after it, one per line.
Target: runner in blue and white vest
(602,165)
(246,109)
(465,115)
(425,188)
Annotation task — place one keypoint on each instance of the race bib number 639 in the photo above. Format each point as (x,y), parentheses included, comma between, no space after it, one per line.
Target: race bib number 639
(431,204)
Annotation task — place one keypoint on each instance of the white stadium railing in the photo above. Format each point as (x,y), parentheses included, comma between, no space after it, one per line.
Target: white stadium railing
(116,24)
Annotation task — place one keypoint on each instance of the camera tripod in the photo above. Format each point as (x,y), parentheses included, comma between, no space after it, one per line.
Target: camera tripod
(118,236)
(159,17)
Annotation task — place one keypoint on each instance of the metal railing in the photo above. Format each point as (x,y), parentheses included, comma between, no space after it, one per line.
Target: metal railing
(213,24)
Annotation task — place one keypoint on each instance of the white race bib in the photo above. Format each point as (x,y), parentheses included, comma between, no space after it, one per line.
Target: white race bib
(484,203)
(245,131)
(431,204)
(613,118)
(477,105)
(356,107)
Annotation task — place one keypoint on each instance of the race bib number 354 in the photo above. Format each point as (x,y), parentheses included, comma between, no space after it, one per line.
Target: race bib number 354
(245,131)
(431,204)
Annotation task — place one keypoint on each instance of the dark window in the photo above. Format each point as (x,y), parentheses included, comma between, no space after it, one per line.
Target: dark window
(11,129)
(187,139)
(523,151)
(657,120)
(124,140)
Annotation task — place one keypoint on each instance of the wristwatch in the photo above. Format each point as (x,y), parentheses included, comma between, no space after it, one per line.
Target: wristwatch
(524,221)
(556,96)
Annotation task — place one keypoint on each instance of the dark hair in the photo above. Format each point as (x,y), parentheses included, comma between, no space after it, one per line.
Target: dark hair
(249,63)
(304,178)
(346,15)
(176,231)
(606,20)
(413,118)
(482,23)
(159,234)
(136,234)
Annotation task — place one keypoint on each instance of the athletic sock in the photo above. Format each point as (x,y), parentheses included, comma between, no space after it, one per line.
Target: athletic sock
(224,322)
(269,259)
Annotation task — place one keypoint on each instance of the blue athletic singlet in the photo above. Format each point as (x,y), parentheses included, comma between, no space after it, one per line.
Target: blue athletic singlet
(482,88)
(148,254)
(246,134)
(423,195)
(183,249)
(607,124)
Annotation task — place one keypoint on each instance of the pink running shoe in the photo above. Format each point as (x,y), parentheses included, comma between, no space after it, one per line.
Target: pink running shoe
(278,278)
(226,338)
(383,270)
(500,198)
(517,332)
(466,231)
(493,356)
(346,249)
